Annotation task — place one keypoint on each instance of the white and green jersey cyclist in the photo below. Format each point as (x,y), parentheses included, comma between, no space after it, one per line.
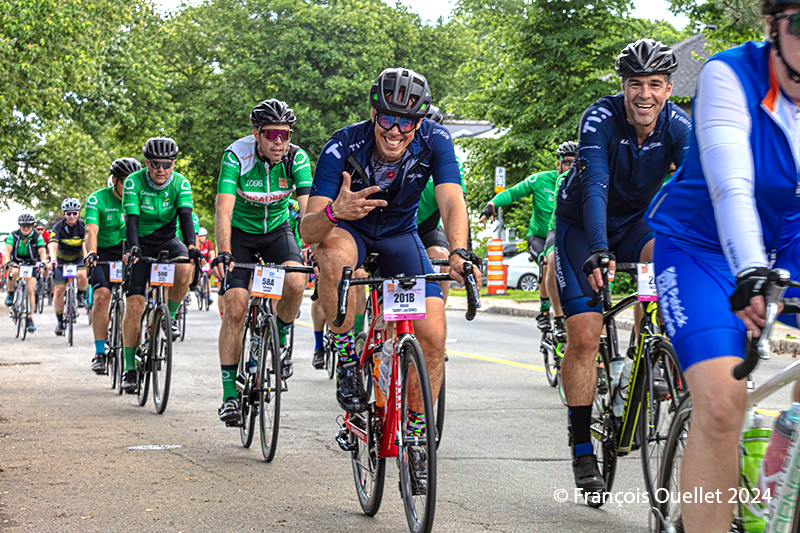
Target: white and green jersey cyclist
(262,193)
(157,209)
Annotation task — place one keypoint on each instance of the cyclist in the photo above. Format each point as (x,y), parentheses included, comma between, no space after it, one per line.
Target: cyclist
(258,174)
(206,247)
(155,199)
(67,247)
(39,227)
(21,245)
(727,215)
(105,233)
(541,187)
(389,159)
(627,143)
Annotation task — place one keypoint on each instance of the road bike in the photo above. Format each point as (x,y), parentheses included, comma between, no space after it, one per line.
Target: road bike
(115,360)
(635,412)
(39,291)
(259,382)
(20,308)
(553,354)
(380,431)
(782,512)
(203,290)
(70,316)
(180,316)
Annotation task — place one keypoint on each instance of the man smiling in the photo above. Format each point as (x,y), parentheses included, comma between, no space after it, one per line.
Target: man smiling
(627,143)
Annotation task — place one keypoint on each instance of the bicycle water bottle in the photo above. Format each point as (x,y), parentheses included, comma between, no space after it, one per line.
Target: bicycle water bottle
(782,506)
(779,444)
(615,371)
(386,368)
(377,357)
(754,441)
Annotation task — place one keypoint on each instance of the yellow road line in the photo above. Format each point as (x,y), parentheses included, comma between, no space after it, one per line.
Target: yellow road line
(306,324)
(496,360)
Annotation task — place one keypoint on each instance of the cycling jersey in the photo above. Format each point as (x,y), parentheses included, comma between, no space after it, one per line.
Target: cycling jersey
(430,153)
(613,178)
(104,210)
(262,189)
(46,236)
(24,248)
(70,240)
(157,210)
(428,217)
(551,224)
(206,248)
(541,187)
(195,224)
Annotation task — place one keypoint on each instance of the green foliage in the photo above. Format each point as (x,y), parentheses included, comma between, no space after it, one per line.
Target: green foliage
(737,21)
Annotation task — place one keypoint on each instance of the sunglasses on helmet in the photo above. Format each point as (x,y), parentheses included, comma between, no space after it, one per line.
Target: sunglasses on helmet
(166,165)
(273,135)
(404,125)
(794,22)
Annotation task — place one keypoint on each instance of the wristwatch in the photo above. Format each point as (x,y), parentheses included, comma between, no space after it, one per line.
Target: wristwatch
(462,253)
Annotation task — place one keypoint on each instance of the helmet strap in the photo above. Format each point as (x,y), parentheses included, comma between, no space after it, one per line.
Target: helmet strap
(773,32)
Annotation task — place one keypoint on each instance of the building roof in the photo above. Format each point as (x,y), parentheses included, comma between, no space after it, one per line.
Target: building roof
(467,128)
(691,55)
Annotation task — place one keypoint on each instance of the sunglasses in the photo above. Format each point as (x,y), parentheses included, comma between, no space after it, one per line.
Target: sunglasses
(71,213)
(794,22)
(26,226)
(404,125)
(161,164)
(273,135)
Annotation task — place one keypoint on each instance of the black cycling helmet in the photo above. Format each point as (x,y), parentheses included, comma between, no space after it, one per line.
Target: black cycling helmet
(124,166)
(567,148)
(646,57)
(160,148)
(770,7)
(435,115)
(272,111)
(41,223)
(25,218)
(402,93)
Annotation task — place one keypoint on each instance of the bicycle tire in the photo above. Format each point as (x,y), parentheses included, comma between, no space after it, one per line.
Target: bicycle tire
(369,468)
(17,310)
(550,365)
(603,435)
(269,388)
(70,318)
(246,404)
(207,291)
(161,357)
(25,311)
(440,405)
(182,320)
(331,355)
(119,353)
(420,508)
(656,415)
(669,513)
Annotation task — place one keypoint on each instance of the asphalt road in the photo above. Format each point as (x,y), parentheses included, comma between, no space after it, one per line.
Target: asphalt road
(67,463)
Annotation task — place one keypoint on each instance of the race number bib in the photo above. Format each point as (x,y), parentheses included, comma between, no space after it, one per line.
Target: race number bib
(403,304)
(162,275)
(115,272)
(268,282)
(646,282)
(26,272)
(70,271)
(206,268)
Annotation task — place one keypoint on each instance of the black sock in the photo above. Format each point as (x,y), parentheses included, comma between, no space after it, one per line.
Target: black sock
(580,418)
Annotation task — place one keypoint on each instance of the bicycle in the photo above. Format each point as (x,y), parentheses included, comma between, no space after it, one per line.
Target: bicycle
(203,291)
(70,316)
(115,361)
(375,434)
(154,354)
(20,309)
(49,286)
(627,414)
(782,513)
(39,293)
(180,316)
(88,301)
(553,353)
(260,392)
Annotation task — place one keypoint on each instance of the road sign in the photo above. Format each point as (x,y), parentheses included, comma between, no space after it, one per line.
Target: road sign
(499,179)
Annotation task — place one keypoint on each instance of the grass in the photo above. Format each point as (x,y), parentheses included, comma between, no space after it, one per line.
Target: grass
(511,294)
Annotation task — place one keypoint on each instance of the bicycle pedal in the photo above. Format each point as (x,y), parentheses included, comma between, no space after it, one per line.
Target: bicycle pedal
(343,439)
(233,423)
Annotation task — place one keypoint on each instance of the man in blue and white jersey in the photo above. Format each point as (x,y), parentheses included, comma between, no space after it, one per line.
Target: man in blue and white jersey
(627,143)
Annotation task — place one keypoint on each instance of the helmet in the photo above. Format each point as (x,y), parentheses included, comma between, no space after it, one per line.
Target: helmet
(124,166)
(25,218)
(567,148)
(160,148)
(202,232)
(646,57)
(770,7)
(435,115)
(71,204)
(110,181)
(272,111)
(412,103)
(42,223)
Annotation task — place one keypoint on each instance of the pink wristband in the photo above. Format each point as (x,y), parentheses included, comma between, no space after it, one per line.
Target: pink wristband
(329,212)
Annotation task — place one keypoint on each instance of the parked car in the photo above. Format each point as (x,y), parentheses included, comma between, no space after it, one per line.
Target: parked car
(523,274)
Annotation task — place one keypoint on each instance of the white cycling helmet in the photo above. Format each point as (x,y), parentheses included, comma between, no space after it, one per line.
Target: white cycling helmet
(202,233)
(71,204)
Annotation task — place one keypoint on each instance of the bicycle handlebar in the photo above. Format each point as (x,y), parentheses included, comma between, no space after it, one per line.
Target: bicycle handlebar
(627,268)
(252,266)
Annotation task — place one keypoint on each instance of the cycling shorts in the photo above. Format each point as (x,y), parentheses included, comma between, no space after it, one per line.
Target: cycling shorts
(550,242)
(399,254)
(58,273)
(536,245)
(100,273)
(435,237)
(572,251)
(694,287)
(140,274)
(278,246)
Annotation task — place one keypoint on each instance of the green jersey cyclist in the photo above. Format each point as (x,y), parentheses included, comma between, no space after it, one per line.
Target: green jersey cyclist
(23,244)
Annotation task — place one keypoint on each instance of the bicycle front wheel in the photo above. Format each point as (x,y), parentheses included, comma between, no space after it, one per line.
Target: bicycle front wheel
(603,432)
(206,291)
(549,356)
(331,354)
(118,345)
(25,310)
(71,309)
(182,320)
(669,508)
(418,493)
(246,403)
(369,468)
(440,409)
(161,357)
(269,388)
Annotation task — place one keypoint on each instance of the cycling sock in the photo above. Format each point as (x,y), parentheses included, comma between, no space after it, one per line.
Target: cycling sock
(345,343)
(415,426)
(580,418)
(228,381)
(81,294)
(130,358)
(60,316)
(173,308)
(358,324)
(319,340)
(100,347)
(544,306)
(283,330)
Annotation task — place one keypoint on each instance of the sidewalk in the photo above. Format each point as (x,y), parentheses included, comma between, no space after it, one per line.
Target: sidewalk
(780,340)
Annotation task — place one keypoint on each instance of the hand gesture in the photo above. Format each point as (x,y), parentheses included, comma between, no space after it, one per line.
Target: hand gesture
(351,205)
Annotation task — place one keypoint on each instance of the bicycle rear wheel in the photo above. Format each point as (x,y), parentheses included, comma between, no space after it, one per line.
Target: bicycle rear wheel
(669,508)
(419,502)
(161,357)
(549,355)
(603,433)
(143,377)
(657,412)
(369,468)
(181,317)
(269,388)
(246,403)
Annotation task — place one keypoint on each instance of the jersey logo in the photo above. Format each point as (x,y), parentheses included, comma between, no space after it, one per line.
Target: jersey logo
(186,186)
(128,184)
(653,145)
(282,183)
(604,114)
(333,149)
(254,183)
(92,200)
